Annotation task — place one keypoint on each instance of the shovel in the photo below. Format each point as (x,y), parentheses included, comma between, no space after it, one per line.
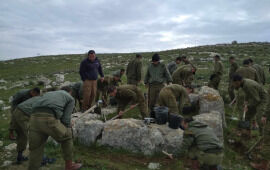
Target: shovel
(117,116)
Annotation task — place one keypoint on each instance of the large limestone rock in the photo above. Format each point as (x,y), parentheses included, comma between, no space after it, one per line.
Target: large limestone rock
(134,135)
(213,120)
(210,100)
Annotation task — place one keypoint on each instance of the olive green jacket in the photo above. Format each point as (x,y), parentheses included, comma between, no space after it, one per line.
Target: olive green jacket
(134,70)
(172,66)
(60,102)
(201,136)
(77,90)
(260,71)
(256,96)
(157,74)
(218,68)
(107,82)
(182,73)
(20,97)
(233,68)
(248,73)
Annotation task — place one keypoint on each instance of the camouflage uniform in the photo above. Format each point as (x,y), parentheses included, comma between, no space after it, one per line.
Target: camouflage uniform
(260,72)
(102,87)
(217,75)
(130,94)
(18,98)
(200,142)
(21,122)
(172,66)
(170,95)
(134,71)
(183,75)
(51,117)
(233,68)
(248,72)
(77,92)
(155,78)
(257,99)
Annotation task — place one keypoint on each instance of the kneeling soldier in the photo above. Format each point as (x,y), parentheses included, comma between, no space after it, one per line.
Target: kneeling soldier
(174,96)
(128,94)
(52,117)
(21,124)
(201,143)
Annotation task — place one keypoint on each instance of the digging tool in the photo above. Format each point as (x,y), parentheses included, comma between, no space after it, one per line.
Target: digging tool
(117,116)
(168,154)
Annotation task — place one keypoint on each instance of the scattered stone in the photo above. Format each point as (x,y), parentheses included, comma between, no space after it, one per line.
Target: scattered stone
(210,100)
(11,147)
(3,81)
(3,88)
(1,143)
(66,83)
(43,81)
(1,102)
(152,165)
(6,107)
(6,163)
(60,78)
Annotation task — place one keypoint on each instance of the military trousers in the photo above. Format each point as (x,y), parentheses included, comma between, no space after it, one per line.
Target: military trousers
(167,98)
(21,124)
(11,123)
(214,82)
(41,126)
(210,159)
(153,93)
(89,93)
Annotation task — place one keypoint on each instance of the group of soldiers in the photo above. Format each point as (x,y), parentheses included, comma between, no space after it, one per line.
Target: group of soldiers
(36,117)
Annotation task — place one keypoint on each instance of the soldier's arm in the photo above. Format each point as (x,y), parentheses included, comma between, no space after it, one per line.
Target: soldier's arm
(188,140)
(263,106)
(255,99)
(66,118)
(183,99)
(147,76)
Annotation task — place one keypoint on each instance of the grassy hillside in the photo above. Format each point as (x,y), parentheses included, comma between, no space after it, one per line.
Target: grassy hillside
(23,73)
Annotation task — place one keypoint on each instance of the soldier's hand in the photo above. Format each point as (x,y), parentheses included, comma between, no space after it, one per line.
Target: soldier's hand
(132,106)
(263,120)
(121,113)
(102,79)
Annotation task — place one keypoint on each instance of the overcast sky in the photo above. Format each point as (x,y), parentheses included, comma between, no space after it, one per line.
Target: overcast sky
(45,27)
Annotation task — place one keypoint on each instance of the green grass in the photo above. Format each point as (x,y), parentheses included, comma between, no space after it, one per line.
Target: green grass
(106,158)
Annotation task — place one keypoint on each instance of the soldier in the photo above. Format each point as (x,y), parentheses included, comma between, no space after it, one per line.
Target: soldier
(21,123)
(172,66)
(233,68)
(102,87)
(247,72)
(77,93)
(201,143)
(119,73)
(172,94)
(256,98)
(187,62)
(89,69)
(184,75)
(18,98)
(52,117)
(260,71)
(157,74)
(128,94)
(217,74)
(134,70)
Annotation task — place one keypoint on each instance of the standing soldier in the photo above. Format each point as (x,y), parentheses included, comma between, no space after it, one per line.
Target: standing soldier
(128,94)
(233,68)
(201,143)
(256,98)
(248,72)
(172,66)
(217,74)
(134,70)
(52,117)
(260,71)
(89,69)
(21,122)
(18,98)
(184,75)
(102,87)
(174,97)
(157,74)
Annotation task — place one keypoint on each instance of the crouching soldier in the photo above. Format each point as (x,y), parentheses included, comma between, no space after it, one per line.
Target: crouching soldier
(21,124)
(18,98)
(51,117)
(128,94)
(174,97)
(201,144)
(77,93)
